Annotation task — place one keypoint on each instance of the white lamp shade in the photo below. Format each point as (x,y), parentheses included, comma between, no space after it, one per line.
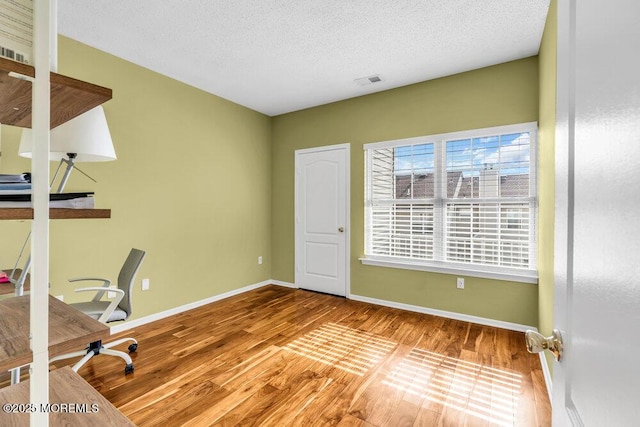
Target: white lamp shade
(86,135)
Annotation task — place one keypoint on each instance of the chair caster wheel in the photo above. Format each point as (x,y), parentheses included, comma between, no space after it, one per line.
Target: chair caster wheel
(133,347)
(128,369)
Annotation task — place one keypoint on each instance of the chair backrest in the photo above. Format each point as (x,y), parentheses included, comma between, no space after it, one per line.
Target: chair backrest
(127,277)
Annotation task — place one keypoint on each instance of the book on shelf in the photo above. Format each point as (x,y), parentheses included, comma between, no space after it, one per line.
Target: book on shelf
(11,178)
(12,187)
(10,183)
(82,200)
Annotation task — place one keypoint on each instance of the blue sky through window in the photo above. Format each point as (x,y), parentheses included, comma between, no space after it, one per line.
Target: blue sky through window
(509,153)
(418,159)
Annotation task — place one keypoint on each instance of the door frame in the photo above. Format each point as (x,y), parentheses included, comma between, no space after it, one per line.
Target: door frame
(563,411)
(347,174)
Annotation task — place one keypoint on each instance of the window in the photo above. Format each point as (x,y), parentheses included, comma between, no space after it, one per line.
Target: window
(462,202)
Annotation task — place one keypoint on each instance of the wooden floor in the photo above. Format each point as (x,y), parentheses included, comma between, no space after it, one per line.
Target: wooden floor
(283,357)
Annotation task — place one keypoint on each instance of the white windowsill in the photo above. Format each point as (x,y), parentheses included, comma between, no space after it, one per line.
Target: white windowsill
(512,275)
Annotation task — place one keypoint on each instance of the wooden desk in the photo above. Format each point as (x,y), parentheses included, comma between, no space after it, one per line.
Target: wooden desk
(9,288)
(69,330)
(65,386)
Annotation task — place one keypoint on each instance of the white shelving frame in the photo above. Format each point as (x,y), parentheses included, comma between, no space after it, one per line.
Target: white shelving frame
(43,15)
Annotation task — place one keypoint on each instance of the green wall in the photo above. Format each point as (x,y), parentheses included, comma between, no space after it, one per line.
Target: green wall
(547,127)
(493,96)
(191,186)
(207,186)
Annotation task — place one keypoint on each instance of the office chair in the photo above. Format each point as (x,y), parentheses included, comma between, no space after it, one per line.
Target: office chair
(118,309)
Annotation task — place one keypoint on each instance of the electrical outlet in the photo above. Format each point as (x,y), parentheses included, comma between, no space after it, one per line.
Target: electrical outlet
(259,260)
(460,283)
(145,284)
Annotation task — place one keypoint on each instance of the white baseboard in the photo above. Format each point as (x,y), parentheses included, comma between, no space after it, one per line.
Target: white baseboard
(286,284)
(386,303)
(448,314)
(547,375)
(176,310)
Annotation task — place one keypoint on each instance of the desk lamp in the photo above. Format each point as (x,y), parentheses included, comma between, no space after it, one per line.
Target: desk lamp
(85,138)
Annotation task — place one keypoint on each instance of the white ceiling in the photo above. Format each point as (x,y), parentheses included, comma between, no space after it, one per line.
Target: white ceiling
(278,56)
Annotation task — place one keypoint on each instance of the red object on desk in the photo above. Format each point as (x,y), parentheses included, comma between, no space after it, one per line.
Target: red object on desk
(3,277)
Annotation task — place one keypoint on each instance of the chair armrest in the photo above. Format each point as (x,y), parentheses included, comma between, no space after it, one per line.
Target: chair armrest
(112,306)
(100,293)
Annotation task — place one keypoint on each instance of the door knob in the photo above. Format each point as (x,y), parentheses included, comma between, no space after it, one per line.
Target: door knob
(341,229)
(537,342)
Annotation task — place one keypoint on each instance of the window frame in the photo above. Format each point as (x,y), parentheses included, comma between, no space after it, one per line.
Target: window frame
(440,199)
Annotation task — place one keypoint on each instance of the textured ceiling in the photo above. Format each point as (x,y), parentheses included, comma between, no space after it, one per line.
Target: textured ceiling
(278,56)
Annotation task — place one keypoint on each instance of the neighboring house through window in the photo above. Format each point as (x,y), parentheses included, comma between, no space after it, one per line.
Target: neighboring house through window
(462,202)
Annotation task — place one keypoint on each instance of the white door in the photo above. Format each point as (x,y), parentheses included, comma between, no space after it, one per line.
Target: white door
(322,219)
(597,297)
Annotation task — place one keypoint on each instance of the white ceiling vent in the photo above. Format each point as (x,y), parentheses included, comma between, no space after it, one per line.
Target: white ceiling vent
(364,81)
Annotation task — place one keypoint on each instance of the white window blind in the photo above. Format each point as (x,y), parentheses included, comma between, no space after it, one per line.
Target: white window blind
(460,199)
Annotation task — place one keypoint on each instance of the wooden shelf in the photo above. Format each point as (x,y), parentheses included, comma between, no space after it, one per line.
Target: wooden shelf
(69,97)
(65,388)
(54,213)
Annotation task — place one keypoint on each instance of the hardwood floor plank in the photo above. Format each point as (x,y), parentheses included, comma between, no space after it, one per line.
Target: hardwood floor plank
(404,415)
(351,421)
(426,417)
(542,405)
(300,393)
(217,411)
(187,402)
(410,332)
(281,356)
(241,367)
(328,408)
(386,406)
(251,410)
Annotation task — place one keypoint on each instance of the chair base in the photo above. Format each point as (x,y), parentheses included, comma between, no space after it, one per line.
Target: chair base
(97,347)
